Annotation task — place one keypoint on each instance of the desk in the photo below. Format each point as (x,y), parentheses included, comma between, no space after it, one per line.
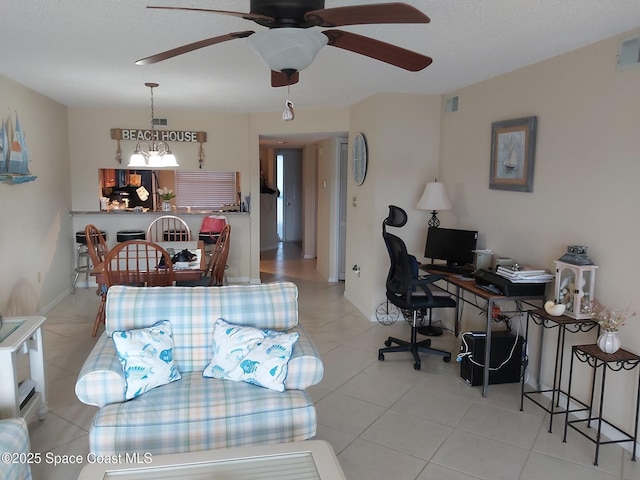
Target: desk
(310,460)
(563,323)
(596,358)
(22,334)
(462,285)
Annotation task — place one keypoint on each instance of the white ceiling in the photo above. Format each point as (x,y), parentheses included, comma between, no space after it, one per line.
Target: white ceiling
(82,52)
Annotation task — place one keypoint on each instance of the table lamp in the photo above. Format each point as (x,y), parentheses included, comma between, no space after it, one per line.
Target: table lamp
(434,198)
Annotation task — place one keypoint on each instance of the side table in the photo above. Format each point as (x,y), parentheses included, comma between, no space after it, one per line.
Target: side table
(22,334)
(596,358)
(563,323)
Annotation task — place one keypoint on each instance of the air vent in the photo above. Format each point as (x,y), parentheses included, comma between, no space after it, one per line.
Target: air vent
(628,53)
(452,104)
(160,122)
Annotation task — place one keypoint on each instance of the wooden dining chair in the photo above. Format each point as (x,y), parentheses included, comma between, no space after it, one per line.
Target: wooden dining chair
(219,257)
(217,263)
(138,263)
(98,250)
(168,228)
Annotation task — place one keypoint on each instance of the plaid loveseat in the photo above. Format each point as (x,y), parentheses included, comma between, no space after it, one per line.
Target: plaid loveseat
(14,440)
(198,413)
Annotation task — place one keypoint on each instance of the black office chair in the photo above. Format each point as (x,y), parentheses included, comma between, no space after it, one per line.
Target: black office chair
(409,291)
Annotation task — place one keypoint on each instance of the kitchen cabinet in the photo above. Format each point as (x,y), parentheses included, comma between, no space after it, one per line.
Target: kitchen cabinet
(108,177)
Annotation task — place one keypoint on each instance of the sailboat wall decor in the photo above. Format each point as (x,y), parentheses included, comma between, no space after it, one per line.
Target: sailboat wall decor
(14,154)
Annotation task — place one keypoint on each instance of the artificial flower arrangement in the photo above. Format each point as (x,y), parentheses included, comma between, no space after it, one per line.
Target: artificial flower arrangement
(610,318)
(166,194)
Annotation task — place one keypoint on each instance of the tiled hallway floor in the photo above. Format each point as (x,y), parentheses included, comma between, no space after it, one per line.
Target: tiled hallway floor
(385,420)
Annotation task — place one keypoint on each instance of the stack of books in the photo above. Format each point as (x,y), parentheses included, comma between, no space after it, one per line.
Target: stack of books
(525,275)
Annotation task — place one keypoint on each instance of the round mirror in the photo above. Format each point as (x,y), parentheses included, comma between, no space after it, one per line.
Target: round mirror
(359,159)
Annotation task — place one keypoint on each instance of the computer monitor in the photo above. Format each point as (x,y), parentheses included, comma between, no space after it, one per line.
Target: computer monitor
(452,245)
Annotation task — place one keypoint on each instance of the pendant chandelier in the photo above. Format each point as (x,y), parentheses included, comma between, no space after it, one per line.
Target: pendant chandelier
(152,153)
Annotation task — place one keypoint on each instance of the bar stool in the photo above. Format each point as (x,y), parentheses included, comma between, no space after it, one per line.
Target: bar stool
(210,230)
(126,235)
(83,262)
(209,240)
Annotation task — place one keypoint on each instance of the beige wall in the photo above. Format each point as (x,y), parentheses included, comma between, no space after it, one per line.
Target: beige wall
(36,241)
(327,187)
(585,186)
(310,200)
(403,145)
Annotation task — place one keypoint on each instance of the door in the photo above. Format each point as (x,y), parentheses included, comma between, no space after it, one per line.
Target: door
(291,195)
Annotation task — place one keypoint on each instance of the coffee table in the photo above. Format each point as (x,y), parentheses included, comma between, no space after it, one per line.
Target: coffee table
(307,460)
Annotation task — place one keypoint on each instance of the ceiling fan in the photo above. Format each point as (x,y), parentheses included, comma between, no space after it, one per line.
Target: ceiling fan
(290,44)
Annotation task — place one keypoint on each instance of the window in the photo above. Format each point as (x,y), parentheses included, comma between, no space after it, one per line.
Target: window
(204,190)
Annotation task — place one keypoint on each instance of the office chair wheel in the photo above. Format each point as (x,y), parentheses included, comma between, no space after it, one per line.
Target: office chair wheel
(387,313)
(381,357)
(446,359)
(416,366)
(387,343)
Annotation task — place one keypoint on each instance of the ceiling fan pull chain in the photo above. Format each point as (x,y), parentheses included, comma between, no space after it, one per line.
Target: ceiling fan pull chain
(288,114)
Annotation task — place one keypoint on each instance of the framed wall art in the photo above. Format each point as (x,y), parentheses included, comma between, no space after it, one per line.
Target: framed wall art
(513,150)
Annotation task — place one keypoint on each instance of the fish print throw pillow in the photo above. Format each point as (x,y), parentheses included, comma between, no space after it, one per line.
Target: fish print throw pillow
(146,356)
(251,355)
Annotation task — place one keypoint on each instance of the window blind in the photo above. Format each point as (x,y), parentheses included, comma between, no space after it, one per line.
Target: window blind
(204,190)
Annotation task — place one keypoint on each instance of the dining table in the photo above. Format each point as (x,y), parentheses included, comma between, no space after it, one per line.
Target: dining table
(193,271)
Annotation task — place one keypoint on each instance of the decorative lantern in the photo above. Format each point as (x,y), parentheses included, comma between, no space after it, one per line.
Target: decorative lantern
(575,281)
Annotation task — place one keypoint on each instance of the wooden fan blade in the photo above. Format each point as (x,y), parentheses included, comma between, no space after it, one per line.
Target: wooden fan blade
(385,52)
(246,16)
(366,14)
(159,57)
(279,79)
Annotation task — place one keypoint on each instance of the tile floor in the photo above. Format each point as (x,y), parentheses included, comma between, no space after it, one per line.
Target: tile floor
(384,419)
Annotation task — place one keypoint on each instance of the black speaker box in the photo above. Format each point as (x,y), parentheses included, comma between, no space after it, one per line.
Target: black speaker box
(502,345)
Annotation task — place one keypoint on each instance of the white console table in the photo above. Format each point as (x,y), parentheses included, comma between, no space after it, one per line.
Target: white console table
(307,460)
(21,334)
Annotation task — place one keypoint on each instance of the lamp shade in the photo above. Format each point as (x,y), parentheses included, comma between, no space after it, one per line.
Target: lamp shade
(287,48)
(137,160)
(434,197)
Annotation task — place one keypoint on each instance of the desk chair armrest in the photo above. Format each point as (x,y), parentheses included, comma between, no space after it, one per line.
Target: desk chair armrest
(428,279)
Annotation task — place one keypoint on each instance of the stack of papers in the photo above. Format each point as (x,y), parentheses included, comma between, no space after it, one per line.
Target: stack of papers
(525,275)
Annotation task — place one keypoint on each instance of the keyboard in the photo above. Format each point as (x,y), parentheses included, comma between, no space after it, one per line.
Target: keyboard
(437,267)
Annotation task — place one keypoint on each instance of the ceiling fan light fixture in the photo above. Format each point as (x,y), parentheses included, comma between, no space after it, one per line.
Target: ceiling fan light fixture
(287,48)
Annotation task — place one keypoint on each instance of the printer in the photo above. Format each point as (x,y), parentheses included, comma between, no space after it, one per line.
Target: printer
(503,286)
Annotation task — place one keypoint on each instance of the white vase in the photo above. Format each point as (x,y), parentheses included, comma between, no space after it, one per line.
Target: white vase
(166,206)
(609,342)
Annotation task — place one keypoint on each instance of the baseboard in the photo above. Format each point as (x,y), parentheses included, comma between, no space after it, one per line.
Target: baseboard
(49,306)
